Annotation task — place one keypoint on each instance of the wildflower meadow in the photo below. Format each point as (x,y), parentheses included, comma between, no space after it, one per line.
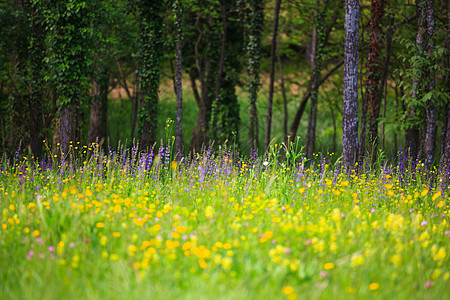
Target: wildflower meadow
(125,224)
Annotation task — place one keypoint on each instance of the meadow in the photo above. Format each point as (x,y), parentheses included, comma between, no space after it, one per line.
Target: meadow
(133,225)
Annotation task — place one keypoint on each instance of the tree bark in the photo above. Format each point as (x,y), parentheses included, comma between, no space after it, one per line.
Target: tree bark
(446,128)
(350,90)
(98,119)
(283,91)
(149,70)
(430,108)
(413,132)
(272,75)
(36,66)
(179,146)
(374,74)
(68,128)
(319,42)
(256,20)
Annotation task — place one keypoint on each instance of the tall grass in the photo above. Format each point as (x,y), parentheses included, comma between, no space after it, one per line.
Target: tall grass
(127,225)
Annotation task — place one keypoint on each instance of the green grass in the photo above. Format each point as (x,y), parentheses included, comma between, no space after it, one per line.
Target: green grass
(218,227)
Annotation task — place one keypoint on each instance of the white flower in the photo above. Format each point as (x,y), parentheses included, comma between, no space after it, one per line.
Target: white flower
(266,163)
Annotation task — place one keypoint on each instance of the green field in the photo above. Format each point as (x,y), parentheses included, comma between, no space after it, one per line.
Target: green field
(218,226)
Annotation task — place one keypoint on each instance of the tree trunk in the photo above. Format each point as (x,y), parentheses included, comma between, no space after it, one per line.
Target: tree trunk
(179,146)
(430,108)
(447,140)
(319,43)
(272,74)
(283,91)
(413,131)
(67,128)
(256,20)
(374,74)
(446,137)
(36,66)
(149,71)
(99,112)
(350,90)
(199,135)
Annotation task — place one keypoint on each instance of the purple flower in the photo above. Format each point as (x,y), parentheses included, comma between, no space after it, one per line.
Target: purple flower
(51,248)
(424,223)
(41,255)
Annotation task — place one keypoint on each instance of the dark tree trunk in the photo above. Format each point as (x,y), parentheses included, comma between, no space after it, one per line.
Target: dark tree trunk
(446,127)
(149,70)
(413,131)
(67,128)
(350,90)
(272,74)
(283,91)
(199,135)
(447,140)
(319,43)
(179,146)
(430,108)
(98,127)
(256,20)
(374,74)
(36,66)
(217,102)
(222,49)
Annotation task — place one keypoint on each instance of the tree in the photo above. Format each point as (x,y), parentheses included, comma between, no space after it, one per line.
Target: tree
(150,54)
(430,105)
(372,96)
(70,35)
(350,89)
(178,10)
(37,51)
(318,59)
(255,27)
(101,73)
(412,131)
(272,74)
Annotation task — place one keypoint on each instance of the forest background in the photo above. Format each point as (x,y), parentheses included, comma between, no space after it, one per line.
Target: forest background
(246,73)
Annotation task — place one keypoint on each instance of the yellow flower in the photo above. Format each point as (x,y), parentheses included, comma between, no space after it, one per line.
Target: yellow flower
(103,240)
(114,257)
(374,286)
(12,207)
(287,290)
(276,220)
(100,225)
(202,263)
(357,260)
(424,193)
(440,204)
(396,260)
(180,229)
(328,266)
(36,233)
(435,196)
